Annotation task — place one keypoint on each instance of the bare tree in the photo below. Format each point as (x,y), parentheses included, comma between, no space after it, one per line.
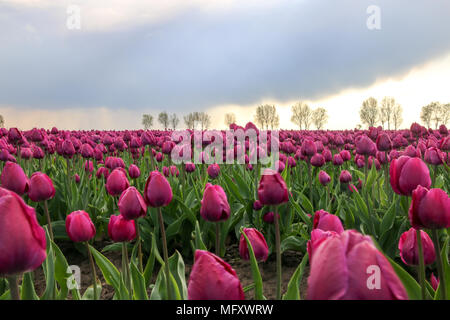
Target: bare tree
(369,112)
(266,115)
(230,118)
(275,119)
(445,110)
(319,117)
(301,115)
(387,110)
(426,114)
(189,120)
(204,119)
(432,112)
(397,118)
(163,118)
(2,121)
(174,121)
(147,121)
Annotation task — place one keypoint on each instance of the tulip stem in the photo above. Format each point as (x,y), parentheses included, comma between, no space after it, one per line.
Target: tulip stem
(166,254)
(217,239)
(125,269)
(49,222)
(310,182)
(13,287)
(421,264)
(94,273)
(278,253)
(139,242)
(437,246)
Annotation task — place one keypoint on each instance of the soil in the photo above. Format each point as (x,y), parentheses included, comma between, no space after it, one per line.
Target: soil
(290,262)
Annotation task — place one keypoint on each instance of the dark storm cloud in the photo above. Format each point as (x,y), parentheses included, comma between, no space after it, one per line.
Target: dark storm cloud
(299,49)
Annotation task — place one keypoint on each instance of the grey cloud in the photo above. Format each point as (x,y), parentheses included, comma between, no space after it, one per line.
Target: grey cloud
(299,49)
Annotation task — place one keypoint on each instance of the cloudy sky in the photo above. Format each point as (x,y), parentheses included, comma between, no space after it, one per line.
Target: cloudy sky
(133,57)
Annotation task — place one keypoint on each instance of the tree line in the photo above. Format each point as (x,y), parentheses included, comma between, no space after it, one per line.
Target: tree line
(388,113)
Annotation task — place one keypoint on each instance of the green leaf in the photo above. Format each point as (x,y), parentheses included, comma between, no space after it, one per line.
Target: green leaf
(178,270)
(410,284)
(139,288)
(302,214)
(446,268)
(293,243)
(293,289)
(199,244)
(89,293)
(49,271)
(28,292)
(306,203)
(255,269)
(388,219)
(109,271)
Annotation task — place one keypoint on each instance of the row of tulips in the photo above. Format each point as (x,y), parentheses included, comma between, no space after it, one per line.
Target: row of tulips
(365,220)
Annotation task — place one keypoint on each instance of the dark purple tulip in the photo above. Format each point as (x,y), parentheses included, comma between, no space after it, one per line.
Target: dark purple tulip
(324,178)
(117,182)
(407,173)
(79,226)
(158,192)
(258,242)
(41,187)
(429,209)
(409,249)
(272,189)
(13,178)
(22,239)
(131,204)
(214,205)
(345,177)
(120,229)
(212,278)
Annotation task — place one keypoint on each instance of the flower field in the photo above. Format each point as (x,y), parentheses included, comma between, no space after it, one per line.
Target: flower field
(164,215)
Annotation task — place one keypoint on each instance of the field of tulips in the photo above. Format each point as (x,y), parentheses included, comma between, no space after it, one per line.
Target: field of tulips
(354,214)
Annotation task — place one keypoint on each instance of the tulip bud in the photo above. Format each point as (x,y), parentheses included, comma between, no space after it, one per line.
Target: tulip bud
(345,177)
(343,266)
(337,160)
(384,143)
(157,192)
(117,182)
(190,167)
(257,205)
(365,146)
(317,160)
(327,222)
(272,189)
(324,178)
(308,148)
(121,229)
(269,217)
(213,171)
(215,205)
(258,242)
(13,178)
(407,173)
(131,204)
(22,239)
(409,249)
(212,278)
(134,171)
(429,209)
(79,226)
(434,282)
(41,187)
